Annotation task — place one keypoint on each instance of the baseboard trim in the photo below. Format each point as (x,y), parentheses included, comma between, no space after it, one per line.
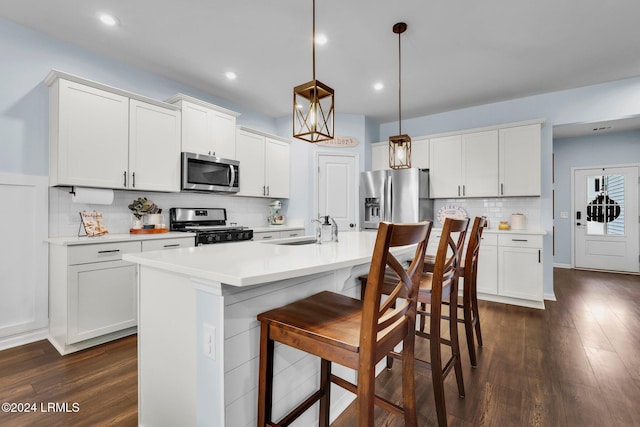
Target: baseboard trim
(24,338)
(558,265)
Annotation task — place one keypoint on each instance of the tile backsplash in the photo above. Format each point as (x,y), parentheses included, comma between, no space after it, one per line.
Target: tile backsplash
(499,209)
(64,218)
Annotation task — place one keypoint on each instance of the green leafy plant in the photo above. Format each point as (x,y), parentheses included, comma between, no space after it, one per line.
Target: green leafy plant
(143,206)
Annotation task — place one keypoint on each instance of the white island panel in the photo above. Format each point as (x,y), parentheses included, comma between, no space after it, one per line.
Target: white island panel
(222,288)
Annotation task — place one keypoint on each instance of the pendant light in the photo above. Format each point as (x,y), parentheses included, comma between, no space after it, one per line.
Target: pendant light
(399,145)
(313,104)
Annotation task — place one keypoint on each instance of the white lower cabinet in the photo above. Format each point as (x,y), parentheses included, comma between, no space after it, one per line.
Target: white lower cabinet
(509,268)
(93,294)
(520,266)
(102,299)
(487,279)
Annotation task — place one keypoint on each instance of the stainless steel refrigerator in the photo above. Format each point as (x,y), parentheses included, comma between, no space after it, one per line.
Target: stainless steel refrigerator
(396,195)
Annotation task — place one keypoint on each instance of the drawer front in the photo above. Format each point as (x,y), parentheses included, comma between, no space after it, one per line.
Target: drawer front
(83,254)
(266,236)
(161,244)
(520,240)
(489,239)
(292,233)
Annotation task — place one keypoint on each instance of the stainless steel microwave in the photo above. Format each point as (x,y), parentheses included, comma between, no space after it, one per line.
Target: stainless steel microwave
(209,173)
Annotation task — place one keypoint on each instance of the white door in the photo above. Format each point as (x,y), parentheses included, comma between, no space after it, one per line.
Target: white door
(606,218)
(337,190)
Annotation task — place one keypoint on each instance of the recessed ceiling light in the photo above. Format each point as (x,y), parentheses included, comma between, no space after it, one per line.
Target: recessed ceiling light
(378,86)
(108,20)
(230,75)
(321,39)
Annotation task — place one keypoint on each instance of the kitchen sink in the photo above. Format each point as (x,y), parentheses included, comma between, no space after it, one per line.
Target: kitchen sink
(294,242)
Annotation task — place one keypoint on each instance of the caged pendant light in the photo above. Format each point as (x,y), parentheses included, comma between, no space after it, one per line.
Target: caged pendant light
(399,145)
(313,104)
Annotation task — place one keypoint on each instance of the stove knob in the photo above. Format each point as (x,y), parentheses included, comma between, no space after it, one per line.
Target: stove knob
(217,237)
(209,238)
(229,236)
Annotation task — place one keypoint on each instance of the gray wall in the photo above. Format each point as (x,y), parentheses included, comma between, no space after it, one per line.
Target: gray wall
(597,150)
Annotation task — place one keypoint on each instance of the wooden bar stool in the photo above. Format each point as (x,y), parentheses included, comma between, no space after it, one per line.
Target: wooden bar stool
(354,333)
(468,271)
(434,288)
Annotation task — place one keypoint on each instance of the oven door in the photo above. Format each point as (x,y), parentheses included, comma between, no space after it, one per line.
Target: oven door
(209,173)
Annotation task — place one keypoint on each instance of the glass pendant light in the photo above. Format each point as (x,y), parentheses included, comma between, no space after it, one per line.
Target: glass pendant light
(399,145)
(313,104)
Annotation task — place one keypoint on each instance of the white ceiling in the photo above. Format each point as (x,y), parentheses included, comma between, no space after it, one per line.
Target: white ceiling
(455,54)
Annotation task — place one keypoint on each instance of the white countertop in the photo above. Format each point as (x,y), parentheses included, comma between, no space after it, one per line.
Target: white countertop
(109,238)
(251,263)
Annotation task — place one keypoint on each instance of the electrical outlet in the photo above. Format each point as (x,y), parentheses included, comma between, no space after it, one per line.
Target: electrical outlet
(564,214)
(209,341)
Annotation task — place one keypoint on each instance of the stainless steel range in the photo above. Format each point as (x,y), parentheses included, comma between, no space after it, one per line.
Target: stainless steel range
(209,224)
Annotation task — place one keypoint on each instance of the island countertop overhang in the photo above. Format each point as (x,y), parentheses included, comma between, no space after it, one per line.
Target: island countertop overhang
(252,263)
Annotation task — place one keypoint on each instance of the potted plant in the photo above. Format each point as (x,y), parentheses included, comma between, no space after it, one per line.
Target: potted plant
(141,207)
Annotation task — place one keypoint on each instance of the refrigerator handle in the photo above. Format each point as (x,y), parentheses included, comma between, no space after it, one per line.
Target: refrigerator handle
(387,199)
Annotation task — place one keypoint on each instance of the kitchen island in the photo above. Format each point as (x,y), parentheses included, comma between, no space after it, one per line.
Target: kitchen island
(198,337)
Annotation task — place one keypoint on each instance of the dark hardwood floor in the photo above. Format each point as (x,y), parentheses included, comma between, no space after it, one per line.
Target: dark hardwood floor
(577,363)
(101,381)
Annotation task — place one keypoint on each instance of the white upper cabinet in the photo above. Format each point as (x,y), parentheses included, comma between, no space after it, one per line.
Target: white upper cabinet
(250,149)
(154,147)
(419,154)
(277,168)
(520,160)
(445,173)
(480,164)
(379,156)
(264,164)
(490,162)
(206,128)
(89,136)
(107,138)
(464,165)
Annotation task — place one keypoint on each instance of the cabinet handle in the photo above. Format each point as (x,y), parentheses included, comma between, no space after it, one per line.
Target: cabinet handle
(464,191)
(125,179)
(264,190)
(267,237)
(458,190)
(539,255)
(501,189)
(175,245)
(133,180)
(268,190)
(519,240)
(109,251)
(293,234)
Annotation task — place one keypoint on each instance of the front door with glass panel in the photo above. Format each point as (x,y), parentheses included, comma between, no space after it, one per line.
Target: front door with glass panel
(606,218)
